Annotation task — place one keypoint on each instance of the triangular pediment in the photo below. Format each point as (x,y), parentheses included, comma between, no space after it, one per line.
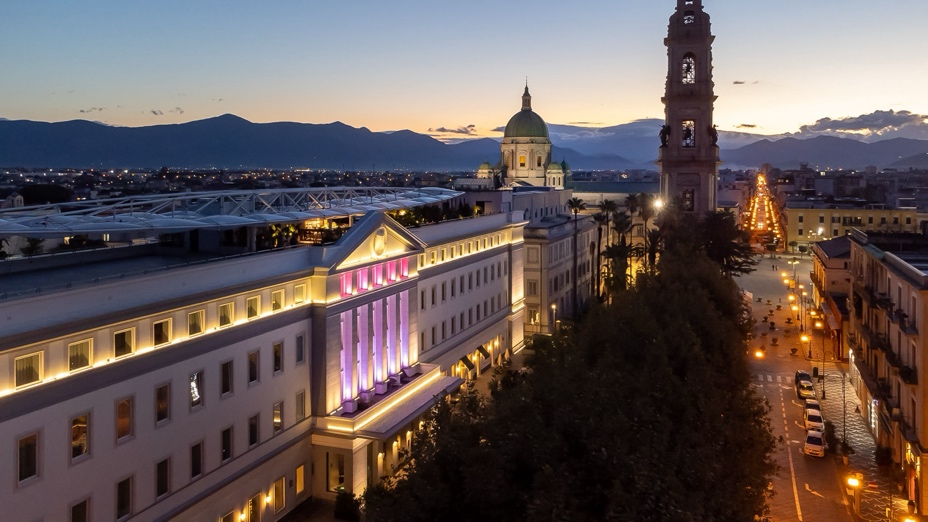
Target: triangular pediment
(377,238)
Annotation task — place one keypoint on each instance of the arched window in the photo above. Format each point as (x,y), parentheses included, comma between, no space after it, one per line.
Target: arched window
(689,133)
(689,17)
(688,69)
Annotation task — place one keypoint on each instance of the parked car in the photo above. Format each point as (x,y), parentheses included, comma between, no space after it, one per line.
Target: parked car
(813,420)
(815,444)
(812,404)
(805,390)
(802,375)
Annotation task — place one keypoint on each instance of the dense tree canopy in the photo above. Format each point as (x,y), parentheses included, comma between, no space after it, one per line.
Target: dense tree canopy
(644,411)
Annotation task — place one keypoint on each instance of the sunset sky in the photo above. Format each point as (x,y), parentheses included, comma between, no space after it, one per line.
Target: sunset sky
(422,65)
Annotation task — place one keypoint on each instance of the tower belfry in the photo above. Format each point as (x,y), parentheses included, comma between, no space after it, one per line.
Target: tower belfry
(689,155)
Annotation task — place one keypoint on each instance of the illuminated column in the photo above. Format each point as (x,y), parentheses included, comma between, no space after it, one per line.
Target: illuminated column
(346,355)
(392,359)
(363,348)
(379,373)
(408,356)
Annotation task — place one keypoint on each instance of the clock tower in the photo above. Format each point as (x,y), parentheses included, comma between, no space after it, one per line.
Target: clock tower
(689,155)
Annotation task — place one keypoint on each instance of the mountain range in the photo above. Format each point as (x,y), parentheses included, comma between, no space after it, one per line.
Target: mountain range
(229,141)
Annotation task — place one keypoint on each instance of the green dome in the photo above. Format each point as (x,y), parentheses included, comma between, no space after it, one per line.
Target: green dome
(526,124)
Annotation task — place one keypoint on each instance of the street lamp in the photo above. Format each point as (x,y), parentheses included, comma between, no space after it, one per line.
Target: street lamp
(553,317)
(821,377)
(805,339)
(853,486)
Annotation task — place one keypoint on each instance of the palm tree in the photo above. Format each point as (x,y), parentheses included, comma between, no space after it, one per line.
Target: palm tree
(575,205)
(724,243)
(622,225)
(600,218)
(632,204)
(653,247)
(608,207)
(645,212)
(616,276)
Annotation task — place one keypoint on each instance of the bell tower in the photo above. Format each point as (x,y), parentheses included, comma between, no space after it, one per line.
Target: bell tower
(688,157)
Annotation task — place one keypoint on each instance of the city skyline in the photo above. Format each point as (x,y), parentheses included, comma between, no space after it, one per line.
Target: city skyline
(456,71)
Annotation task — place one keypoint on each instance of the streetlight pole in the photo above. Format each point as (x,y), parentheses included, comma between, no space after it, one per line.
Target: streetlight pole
(822,373)
(553,318)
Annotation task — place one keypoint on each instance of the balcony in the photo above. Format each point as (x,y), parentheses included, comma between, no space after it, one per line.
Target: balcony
(874,340)
(909,375)
(893,360)
(865,293)
(870,381)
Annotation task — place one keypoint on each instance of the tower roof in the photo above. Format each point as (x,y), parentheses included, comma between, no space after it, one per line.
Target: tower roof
(526,123)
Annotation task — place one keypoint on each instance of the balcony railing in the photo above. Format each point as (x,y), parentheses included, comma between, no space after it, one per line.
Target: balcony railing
(909,375)
(893,359)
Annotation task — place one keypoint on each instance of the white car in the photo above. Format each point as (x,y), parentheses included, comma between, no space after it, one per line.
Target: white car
(815,444)
(812,404)
(805,390)
(813,420)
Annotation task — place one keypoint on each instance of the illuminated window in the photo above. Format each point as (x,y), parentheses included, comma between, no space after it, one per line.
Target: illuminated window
(195,322)
(80,436)
(689,69)
(79,354)
(162,403)
(161,332)
(278,416)
(689,133)
(278,494)
(277,300)
(253,508)
(226,314)
(228,517)
(124,342)
(299,293)
(335,471)
(28,369)
(346,280)
(521,160)
(123,419)
(299,479)
(196,389)
(253,306)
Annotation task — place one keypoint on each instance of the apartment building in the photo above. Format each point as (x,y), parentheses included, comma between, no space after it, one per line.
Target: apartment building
(807,221)
(888,343)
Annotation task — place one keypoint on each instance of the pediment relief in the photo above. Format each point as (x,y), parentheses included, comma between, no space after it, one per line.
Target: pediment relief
(381,244)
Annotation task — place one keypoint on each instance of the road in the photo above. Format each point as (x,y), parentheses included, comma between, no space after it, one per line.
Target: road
(806,488)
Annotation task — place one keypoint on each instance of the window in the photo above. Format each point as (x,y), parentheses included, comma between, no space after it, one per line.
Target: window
(28,369)
(123,418)
(225,378)
(123,342)
(278,416)
(689,133)
(225,445)
(800,231)
(277,300)
(196,460)
(533,315)
(253,305)
(300,349)
(299,293)
(278,357)
(28,464)
(422,300)
(279,494)
(521,160)
(226,314)
(253,509)
(689,69)
(80,512)
(196,389)
(162,478)
(253,367)
(689,17)
(124,498)
(80,436)
(162,403)
(533,288)
(252,431)
(300,405)
(228,517)
(79,354)
(299,479)
(161,332)
(195,322)
(538,161)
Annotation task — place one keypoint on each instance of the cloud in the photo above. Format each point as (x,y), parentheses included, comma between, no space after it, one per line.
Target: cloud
(215,100)
(468,130)
(746,126)
(739,82)
(156,112)
(584,123)
(92,109)
(873,126)
(499,129)
(178,110)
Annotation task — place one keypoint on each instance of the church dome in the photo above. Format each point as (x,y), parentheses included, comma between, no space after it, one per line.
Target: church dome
(526,123)
(554,167)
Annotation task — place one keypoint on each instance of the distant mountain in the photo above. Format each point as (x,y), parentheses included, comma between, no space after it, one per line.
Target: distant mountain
(824,152)
(232,142)
(918,161)
(229,141)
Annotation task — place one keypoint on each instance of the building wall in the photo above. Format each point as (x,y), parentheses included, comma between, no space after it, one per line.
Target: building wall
(802,224)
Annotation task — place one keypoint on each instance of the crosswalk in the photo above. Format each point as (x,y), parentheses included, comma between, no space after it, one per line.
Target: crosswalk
(767,377)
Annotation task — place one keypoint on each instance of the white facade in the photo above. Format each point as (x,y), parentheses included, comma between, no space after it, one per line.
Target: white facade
(241,386)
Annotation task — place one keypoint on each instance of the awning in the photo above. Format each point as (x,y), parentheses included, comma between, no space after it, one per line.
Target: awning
(483,351)
(833,323)
(467,362)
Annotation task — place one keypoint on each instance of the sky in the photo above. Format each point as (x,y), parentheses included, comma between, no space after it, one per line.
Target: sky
(454,68)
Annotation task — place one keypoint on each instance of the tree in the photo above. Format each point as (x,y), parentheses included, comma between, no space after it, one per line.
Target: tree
(600,218)
(43,194)
(576,205)
(632,204)
(33,247)
(725,244)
